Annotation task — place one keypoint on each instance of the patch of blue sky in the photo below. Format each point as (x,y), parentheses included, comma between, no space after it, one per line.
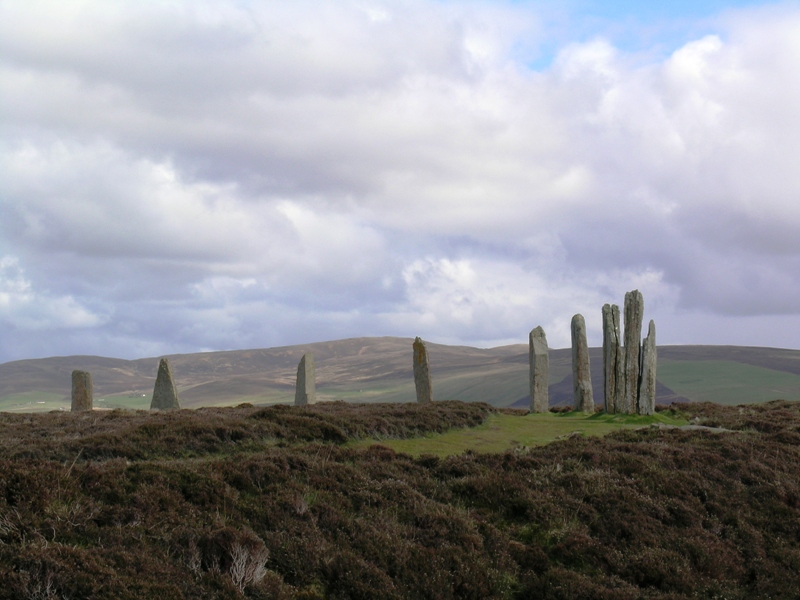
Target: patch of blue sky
(651,30)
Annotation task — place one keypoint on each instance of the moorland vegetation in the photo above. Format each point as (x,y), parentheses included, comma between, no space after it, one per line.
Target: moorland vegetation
(281,502)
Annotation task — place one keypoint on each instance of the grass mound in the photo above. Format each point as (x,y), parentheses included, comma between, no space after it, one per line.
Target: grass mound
(510,429)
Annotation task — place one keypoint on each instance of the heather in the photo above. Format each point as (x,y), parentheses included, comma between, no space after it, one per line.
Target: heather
(277,503)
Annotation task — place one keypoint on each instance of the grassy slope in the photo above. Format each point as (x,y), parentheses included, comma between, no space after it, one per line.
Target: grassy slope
(727,382)
(33,402)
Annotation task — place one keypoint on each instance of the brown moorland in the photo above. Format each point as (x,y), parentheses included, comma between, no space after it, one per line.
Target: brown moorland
(270,503)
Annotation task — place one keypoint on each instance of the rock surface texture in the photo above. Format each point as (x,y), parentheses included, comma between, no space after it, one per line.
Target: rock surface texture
(539,370)
(422,372)
(634,313)
(165,396)
(306,389)
(613,359)
(581,372)
(647,383)
(82,392)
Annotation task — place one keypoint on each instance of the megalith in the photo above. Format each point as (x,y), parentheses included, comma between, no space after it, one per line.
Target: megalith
(82,392)
(613,360)
(581,373)
(422,372)
(165,395)
(306,389)
(634,313)
(539,370)
(647,383)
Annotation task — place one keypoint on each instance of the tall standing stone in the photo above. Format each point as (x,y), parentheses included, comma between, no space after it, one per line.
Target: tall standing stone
(647,384)
(422,373)
(165,395)
(539,370)
(306,390)
(82,392)
(634,313)
(581,373)
(613,360)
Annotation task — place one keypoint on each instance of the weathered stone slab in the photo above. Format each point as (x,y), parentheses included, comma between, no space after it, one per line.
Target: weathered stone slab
(647,384)
(634,313)
(581,372)
(165,395)
(613,359)
(82,391)
(539,370)
(422,373)
(306,389)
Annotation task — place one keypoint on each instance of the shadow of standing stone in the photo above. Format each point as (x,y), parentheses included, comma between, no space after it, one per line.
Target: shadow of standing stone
(306,388)
(422,373)
(539,370)
(82,391)
(165,396)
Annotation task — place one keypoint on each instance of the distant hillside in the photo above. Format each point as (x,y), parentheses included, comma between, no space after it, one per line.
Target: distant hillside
(379,369)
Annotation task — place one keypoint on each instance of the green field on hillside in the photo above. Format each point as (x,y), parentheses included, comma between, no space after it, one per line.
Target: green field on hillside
(502,432)
(33,402)
(727,382)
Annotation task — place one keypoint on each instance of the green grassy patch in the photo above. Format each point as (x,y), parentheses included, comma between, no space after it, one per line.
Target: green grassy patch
(501,386)
(34,402)
(728,382)
(129,401)
(501,432)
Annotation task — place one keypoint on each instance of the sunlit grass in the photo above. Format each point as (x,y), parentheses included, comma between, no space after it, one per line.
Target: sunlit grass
(727,382)
(34,402)
(501,432)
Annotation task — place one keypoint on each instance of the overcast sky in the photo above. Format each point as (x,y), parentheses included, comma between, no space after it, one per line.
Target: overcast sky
(206,175)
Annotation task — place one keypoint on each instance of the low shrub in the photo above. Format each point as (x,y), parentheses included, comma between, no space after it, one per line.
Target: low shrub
(650,513)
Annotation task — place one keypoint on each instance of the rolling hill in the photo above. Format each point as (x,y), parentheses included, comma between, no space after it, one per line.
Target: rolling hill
(379,370)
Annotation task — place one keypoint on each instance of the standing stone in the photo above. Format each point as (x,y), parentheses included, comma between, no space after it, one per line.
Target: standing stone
(165,396)
(539,370)
(613,360)
(306,390)
(422,373)
(581,373)
(82,392)
(647,385)
(634,313)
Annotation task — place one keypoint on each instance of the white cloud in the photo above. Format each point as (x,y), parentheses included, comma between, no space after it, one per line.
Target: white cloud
(492,301)
(25,309)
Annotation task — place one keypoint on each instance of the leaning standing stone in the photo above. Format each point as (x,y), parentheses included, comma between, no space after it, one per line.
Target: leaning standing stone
(634,313)
(306,390)
(647,386)
(613,361)
(165,396)
(422,372)
(82,393)
(581,373)
(539,370)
